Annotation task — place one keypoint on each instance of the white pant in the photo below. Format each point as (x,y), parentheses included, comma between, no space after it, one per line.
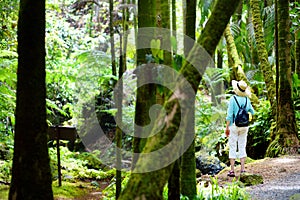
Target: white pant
(237,141)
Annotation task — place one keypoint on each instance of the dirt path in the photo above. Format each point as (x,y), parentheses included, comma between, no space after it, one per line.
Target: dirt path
(281,178)
(283,188)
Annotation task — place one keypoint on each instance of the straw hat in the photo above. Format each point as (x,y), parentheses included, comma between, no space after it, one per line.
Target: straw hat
(241,88)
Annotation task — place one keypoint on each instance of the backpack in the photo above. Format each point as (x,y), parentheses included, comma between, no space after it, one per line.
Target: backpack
(242,117)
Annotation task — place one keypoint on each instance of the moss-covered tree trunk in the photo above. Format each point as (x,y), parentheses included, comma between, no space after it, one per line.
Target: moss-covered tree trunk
(146,94)
(119,98)
(31,175)
(189,17)
(263,54)
(236,64)
(163,9)
(174,27)
(188,162)
(297,52)
(150,185)
(112,40)
(286,139)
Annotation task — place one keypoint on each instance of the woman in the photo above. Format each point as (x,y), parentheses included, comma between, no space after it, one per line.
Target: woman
(237,135)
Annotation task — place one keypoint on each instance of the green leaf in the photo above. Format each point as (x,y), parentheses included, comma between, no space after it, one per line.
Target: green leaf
(174,43)
(155,46)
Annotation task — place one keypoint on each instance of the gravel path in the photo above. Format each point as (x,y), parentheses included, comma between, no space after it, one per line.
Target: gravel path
(278,189)
(281,178)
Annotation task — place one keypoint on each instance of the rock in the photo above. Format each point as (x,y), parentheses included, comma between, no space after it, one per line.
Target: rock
(295,196)
(251,179)
(198,173)
(5,153)
(282,170)
(209,164)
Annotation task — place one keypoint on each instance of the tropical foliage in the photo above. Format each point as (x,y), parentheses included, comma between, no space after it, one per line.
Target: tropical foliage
(78,58)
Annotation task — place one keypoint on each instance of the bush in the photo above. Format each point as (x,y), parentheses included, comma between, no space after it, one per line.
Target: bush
(232,191)
(77,166)
(259,132)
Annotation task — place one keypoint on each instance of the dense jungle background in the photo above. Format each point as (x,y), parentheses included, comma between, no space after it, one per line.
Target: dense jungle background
(87,49)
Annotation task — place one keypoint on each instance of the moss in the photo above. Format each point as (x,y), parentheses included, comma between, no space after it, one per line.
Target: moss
(251,179)
(295,196)
(262,51)
(4,189)
(71,190)
(249,160)
(67,190)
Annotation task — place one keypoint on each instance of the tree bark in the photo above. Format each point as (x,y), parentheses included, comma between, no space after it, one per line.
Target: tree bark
(297,52)
(190,23)
(112,39)
(163,8)
(150,185)
(31,175)
(236,63)
(174,27)
(146,94)
(286,139)
(188,162)
(174,182)
(263,54)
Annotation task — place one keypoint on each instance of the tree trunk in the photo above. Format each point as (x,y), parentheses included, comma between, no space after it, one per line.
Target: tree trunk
(188,162)
(174,27)
(219,88)
(236,63)
(190,23)
(150,185)
(263,54)
(286,139)
(297,52)
(31,175)
(146,94)
(165,16)
(112,39)
(163,9)
(174,182)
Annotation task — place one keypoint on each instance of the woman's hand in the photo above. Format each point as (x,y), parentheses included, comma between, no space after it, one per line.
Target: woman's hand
(227,131)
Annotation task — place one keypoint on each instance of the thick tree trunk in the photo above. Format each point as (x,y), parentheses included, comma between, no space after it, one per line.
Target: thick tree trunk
(119,99)
(31,175)
(236,63)
(146,94)
(163,8)
(188,163)
(286,139)
(189,23)
(150,185)
(297,52)
(174,182)
(263,54)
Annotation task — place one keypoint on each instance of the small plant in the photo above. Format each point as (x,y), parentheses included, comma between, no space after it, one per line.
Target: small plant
(110,191)
(213,191)
(5,171)
(75,166)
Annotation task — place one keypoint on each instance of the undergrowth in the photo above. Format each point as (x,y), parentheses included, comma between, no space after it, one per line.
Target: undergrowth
(212,191)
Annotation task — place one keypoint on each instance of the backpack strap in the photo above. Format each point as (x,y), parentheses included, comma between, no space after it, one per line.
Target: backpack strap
(245,103)
(238,102)
(238,106)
